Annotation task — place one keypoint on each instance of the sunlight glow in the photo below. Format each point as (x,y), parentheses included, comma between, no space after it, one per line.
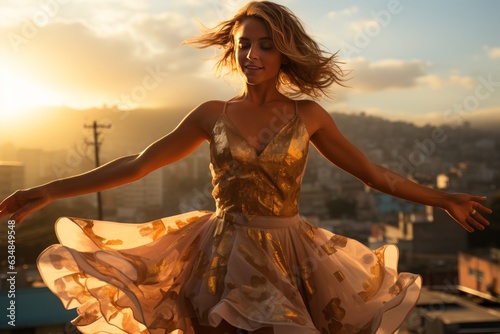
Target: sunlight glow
(20,95)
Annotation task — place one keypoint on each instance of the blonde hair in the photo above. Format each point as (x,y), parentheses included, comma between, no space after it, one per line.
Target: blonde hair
(307,69)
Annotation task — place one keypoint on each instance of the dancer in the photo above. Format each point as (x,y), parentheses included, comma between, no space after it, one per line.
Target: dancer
(254,264)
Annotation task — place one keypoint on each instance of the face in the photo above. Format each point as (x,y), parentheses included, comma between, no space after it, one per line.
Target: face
(257,58)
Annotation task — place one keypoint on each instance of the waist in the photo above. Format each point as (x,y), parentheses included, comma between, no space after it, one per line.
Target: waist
(269,222)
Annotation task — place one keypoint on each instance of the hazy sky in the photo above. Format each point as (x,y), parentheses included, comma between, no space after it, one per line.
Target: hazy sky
(422,61)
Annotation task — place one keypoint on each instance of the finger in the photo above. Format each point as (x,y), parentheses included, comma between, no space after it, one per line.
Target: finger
(4,205)
(483,208)
(8,204)
(12,218)
(18,217)
(479,198)
(465,224)
(467,227)
(27,209)
(5,212)
(481,220)
(472,221)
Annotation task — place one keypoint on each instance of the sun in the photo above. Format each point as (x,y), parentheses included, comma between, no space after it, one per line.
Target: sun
(20,95)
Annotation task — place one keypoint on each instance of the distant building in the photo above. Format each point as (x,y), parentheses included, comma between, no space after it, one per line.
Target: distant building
(35,162)
(8,152)
(11,177)
(132,200)
(313,201)
(442,236)
(390,208)
(446,312)
(442,181)
(428,241)
(475,178)
(427,231)
(479,273)
(198,163)
(424,231)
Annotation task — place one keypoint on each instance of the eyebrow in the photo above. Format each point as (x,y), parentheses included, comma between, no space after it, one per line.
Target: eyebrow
(260,39)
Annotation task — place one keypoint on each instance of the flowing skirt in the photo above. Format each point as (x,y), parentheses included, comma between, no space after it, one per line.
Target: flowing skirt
(251,271)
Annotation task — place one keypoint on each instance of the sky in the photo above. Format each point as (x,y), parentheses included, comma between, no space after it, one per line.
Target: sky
(425,61)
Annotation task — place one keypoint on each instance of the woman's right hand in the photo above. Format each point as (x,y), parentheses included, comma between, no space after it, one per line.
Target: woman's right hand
(22,203)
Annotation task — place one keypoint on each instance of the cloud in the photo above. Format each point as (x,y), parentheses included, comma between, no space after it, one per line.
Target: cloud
(364,25)
(74,57)
(400,74)
(344,12)
(161,32)
(437,82)
(220,10)
(96,11)
(494,53)
(386,74)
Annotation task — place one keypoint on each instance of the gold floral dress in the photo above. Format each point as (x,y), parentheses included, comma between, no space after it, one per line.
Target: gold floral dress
(254,262)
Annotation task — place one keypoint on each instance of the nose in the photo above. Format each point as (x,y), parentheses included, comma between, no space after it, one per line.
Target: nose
(252,53)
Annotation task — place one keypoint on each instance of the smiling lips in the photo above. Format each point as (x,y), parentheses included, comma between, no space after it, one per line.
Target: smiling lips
(252,67)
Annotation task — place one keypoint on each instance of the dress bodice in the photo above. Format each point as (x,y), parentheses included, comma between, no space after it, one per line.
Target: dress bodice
(266,183)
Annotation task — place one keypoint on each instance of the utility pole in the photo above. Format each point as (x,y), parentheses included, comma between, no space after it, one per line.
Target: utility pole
(96,144)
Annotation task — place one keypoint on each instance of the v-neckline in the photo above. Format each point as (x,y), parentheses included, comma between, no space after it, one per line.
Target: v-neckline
(245,140)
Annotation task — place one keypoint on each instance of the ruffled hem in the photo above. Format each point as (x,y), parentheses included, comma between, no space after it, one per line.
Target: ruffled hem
(251,272)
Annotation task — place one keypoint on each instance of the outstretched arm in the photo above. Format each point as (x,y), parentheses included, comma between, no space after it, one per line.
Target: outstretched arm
(175,145)
(463,208)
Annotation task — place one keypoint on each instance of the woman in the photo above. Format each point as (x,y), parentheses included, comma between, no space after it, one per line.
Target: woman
(254,264)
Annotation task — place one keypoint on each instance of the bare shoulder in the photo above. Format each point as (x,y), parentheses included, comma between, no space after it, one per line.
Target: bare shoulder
(208,108)
(309,106)
(206,114)
(313,115)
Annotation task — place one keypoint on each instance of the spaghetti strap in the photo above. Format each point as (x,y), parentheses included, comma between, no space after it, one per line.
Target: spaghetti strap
(225,106)
(296,108)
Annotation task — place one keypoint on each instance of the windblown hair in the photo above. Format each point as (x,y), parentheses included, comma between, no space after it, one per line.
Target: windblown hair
(307,69)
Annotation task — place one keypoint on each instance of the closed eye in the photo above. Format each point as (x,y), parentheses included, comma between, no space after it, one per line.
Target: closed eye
(266,46)
(243,46)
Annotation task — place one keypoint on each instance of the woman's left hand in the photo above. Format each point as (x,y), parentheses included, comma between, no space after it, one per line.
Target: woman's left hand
(466,210)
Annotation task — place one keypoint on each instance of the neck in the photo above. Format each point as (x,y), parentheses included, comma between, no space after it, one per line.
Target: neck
(260,94)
